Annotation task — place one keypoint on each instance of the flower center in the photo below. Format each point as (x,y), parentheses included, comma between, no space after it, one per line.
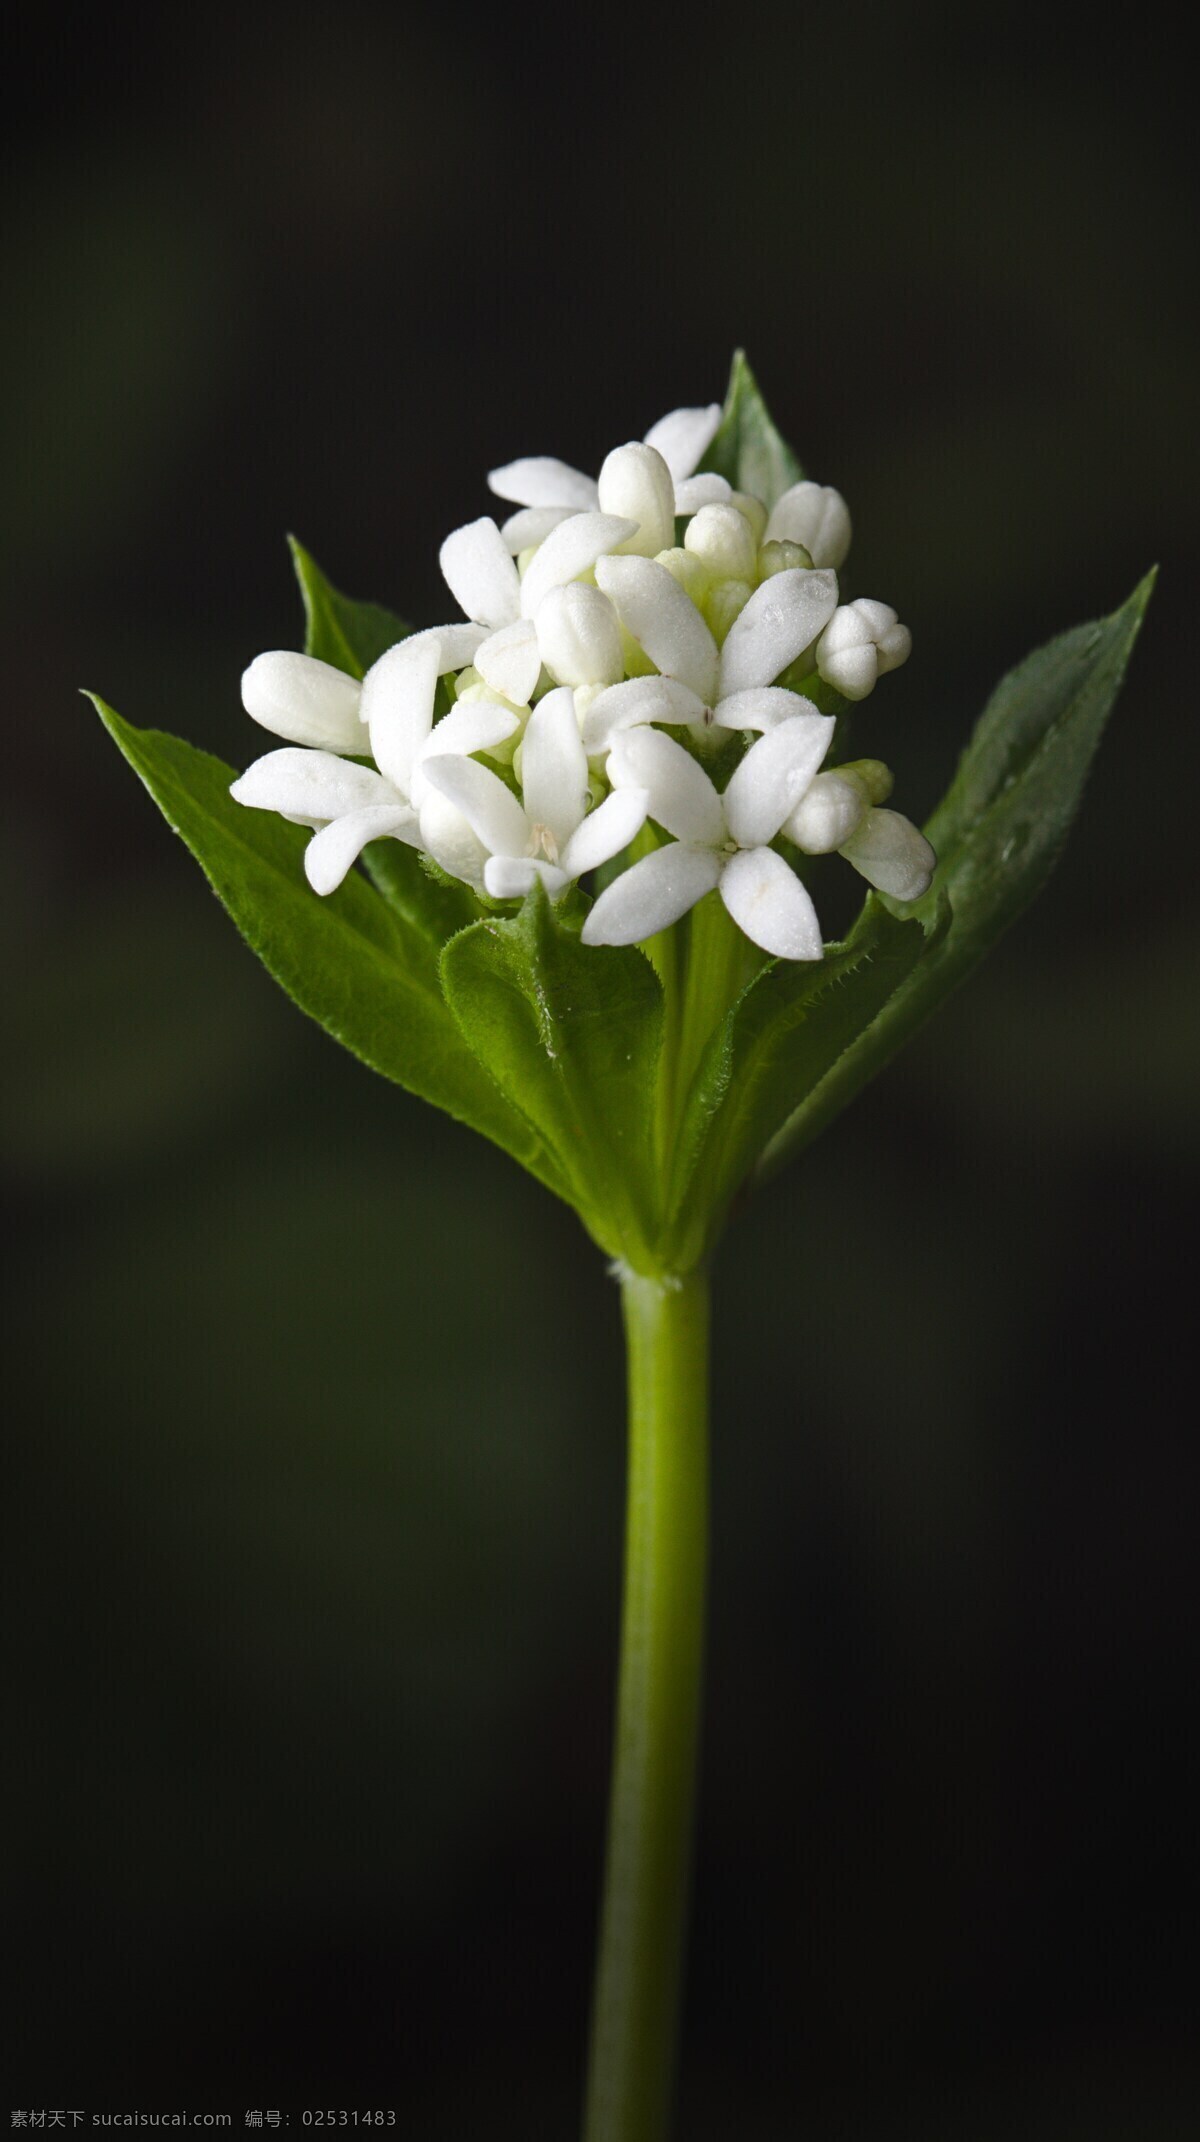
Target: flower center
(542,843)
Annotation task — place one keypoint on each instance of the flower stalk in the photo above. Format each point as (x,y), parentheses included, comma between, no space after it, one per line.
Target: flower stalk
(640,1958)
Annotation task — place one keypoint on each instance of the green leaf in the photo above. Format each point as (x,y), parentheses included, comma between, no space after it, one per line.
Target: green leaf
(436,906)
(747,449)
(351,961)
(350,635)
(789,1027)
(571,1035)
(998,833)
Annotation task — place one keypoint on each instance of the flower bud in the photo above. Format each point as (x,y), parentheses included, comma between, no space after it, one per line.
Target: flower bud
(876,778)
(723,540)
(636,485)
(815,515)
(724,603)
(832,808)
(780,557)
(688,570)
(861,642)
(754,511)
(892,854)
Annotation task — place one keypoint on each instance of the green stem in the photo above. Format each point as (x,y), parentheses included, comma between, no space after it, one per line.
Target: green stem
(716,964)
(639,1965)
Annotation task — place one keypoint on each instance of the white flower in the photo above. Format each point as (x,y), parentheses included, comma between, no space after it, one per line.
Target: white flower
(861,643)
(350,805)
(782,618)
(720,841)
(548,490)
(639,701)
(815,515)
(550,835)
(481,575)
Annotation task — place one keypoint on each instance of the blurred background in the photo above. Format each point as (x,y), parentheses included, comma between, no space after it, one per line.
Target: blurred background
(313,1557)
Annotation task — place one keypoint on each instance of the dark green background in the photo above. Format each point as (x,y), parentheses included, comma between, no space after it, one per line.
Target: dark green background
(316,1421)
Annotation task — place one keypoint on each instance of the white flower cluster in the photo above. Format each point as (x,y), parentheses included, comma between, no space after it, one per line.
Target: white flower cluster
(590,633)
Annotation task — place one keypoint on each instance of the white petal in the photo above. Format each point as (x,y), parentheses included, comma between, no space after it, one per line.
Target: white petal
(852,671)
(879,617)
(579,636)
(480,573)
(606,830)
(458,644)
(397,704)
(682,798)
(312,787)
(510,877)
(763,707)
(471,725)
(554,768)
(773,776)
(636,482)
(663,619)
(307,701)
(683,436)
(510,662)
(526,529)
(692,492)
(540,480)
(652,895)
(723,540)
(451,841)
(331,852)
(895,647)
(817,516)
(889,852)
(831,808)
(849,626)
(569,550)
(490,809)
(782,617)
(634,702)
(769,903)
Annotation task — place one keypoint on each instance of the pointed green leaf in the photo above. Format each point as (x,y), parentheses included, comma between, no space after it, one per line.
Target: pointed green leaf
(997,833)
(789,1027)
(571,1035)
(351,961)
(350,635)
(747,450)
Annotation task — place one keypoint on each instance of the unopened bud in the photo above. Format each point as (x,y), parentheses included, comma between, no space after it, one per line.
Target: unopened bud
(876,778)
(686,568)
(892,854)
(815,515)
(832,807)
(723,604)
(754,511)
(723,540)
(779,557)
(636,484)
(861,642)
